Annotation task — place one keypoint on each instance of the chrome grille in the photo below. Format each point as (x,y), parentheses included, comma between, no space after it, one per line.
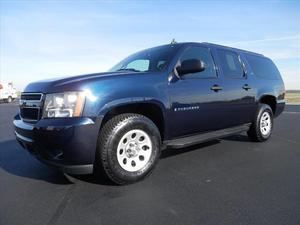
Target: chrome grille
(31,105)
(31,96)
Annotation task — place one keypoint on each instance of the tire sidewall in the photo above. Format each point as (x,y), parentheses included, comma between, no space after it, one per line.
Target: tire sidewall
(132,123)
(264,108)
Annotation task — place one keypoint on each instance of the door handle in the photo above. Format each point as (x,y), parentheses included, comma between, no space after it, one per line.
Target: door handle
(216,88)
(246,87)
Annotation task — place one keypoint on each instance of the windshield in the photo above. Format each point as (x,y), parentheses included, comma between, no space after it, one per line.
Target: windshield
(149,60)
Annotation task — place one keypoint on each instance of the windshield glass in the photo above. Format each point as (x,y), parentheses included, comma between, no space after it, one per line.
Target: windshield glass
(149,60)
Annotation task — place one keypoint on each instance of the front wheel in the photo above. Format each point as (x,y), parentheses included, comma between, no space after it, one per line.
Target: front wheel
(128,149)
(262,126)
(9,99)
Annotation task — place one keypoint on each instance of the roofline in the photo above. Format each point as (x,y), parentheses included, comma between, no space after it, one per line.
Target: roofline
(211,44)
(236,49)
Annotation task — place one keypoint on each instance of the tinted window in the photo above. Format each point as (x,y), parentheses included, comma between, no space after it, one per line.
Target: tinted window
(203,54)
(150,60)
(263,67)
(230,64)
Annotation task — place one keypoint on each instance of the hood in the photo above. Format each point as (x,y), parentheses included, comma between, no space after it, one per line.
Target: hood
(72,83)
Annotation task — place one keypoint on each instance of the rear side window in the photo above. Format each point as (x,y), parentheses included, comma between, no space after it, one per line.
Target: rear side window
(202,53)
(230,64)
(263,67)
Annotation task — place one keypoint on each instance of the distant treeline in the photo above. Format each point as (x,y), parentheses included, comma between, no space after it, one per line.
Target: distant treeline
(293,91)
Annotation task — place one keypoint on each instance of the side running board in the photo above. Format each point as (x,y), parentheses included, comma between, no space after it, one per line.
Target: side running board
(199,138)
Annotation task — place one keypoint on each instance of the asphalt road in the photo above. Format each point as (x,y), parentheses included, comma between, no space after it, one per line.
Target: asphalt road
(230,181)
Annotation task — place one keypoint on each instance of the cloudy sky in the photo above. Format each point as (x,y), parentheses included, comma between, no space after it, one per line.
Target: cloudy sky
(44,39)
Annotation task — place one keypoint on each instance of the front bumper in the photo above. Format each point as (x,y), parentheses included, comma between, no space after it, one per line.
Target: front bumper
(65,143)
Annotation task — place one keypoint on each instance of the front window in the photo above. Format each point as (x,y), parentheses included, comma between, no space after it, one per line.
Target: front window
(203,54)
(149,60)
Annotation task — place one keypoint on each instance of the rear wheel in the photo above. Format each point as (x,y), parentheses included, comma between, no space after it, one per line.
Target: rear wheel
(129,147)
(262,126)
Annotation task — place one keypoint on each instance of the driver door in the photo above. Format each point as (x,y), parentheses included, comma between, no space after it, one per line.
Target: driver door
(197,100)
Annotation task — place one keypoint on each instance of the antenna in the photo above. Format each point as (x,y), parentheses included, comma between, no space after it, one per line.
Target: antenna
(173,42)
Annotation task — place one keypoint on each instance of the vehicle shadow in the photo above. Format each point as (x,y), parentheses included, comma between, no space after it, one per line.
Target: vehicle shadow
(91,178)
(166,153)
(238,137)
(15,160)
(169,152)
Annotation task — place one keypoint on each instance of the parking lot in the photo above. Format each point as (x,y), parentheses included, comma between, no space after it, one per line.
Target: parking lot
(228,181)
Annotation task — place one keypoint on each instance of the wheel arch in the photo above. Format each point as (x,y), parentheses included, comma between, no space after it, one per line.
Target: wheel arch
(269,100)
(152,109)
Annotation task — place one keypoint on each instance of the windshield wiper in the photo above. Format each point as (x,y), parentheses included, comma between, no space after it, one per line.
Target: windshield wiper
(129,69)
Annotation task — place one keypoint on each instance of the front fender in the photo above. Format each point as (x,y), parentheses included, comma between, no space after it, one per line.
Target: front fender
(109,93)
(130,101)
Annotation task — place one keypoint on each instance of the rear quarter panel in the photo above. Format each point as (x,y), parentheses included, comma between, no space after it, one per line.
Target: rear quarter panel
(264,86)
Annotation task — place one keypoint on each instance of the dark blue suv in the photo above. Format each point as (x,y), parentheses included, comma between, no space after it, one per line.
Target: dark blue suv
(176,95)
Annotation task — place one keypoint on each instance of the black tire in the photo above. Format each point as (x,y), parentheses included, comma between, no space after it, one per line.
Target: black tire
(255,133)
(9,99)
(110,136)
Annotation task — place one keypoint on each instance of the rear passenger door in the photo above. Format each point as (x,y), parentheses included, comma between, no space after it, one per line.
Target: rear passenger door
(237,89)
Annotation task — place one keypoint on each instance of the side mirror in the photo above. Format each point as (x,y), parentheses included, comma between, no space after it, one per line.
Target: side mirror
(190,66)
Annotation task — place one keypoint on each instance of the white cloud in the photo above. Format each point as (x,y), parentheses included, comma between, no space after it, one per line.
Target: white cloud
(268,40)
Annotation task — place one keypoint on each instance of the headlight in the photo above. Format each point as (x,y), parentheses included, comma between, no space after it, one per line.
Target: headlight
(68,104)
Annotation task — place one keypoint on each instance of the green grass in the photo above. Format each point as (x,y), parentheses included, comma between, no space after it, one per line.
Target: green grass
(292,97)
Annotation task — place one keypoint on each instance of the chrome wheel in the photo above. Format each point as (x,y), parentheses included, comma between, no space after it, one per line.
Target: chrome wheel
(265,123)
(134,150)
